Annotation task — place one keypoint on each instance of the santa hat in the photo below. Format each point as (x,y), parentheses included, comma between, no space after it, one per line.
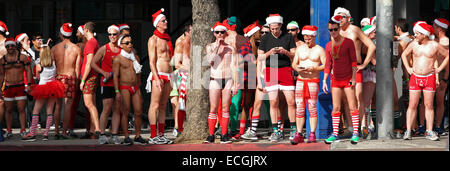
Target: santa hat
(252,29)
(81,29)
(367,20)
(114,27)
(10,41)
(20,37)
(441,22)
(3,28)
(417,24)
(293,24)
(425,29)
(336,18)
(157,16)
(342,10)
(219,26)
(309,30)
(274,18)
(123,26)
(373,19)
(66,29)
(368,29)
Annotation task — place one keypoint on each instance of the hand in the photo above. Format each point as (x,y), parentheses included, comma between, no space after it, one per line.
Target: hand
(118,98)
(360,67)
(410,70)
(353,82)
(259,87)
(282,50)
(325,88)
(309,69)
(107,75)
(81,86)
(438,82)
(159,84)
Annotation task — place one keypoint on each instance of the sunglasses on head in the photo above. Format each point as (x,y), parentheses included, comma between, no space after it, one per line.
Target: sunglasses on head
(335,29)
(221,32)
(289,30)
(113,34)
(127,43)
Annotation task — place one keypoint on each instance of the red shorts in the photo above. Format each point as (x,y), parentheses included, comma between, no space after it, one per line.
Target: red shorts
(340,83)
(90,85)
(279,79)
(163,76)
(359,77)
(14,93)
(425,83)
(131,89)
(69,84)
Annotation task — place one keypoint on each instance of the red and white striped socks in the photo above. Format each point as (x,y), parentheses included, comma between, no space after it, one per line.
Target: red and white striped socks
(255,121)
(48,123)
(34,122)
(355,121)
(336,118)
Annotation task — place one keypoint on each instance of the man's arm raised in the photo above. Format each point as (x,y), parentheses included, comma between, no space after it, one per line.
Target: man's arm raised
(370,48)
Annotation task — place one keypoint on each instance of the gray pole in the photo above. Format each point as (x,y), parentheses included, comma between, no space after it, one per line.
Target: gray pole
(384,87)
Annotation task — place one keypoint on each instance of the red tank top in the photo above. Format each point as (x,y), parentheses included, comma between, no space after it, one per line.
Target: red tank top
(107,65)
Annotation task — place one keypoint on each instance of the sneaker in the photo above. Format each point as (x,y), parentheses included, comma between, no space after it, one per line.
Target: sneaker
(236,137)
(407,135)
(23,134)
(210,139)
(225,139)
(8,135)
(97,134)
(52,128)
(127,141)
(71,133)
(312,137)
(364,132)
(440,131)
(45,138)
(114,139)
(29,138)
(292,134)
(140,140)
(431,135)
(87,135)
(275,137)
(421,130)
(249,135)
(103,139)
(164,140)
(355,139)
(175,132)
(331,139)
(154,140)
(298,138)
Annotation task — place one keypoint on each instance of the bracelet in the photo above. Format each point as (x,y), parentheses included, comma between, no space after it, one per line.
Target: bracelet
(117,91)
(82,81)
(324,81)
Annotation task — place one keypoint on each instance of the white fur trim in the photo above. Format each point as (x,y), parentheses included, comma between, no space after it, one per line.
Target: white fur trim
(274,19)
(124,27)
(365,20)
(113,27)
(292,25)
(440,24)
(157,19)
(252,31)
(368,31)
(422,30)
(11,42)
(219,27)
(80,29)
(65,33)
(342,10)
(309,32)
(21,37)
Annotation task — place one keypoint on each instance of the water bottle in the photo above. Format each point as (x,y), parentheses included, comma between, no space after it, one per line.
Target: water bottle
(106,80)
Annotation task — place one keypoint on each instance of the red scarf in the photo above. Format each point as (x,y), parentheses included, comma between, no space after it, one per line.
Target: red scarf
(166,37)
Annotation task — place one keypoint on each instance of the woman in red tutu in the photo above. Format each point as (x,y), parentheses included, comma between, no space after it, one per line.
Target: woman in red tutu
(48,90)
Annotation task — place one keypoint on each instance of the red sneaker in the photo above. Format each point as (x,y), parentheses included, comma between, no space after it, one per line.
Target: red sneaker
(312,137)
(298,138)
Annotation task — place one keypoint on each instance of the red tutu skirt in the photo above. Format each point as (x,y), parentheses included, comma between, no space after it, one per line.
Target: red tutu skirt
(52,89)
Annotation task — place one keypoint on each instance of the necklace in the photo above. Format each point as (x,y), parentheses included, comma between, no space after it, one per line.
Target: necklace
(336,55)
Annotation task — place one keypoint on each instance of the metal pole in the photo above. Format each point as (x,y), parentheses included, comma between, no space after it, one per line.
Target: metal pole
(384,87)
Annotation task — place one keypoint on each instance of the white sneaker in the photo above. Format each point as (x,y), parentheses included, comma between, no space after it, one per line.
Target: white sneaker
(431,135)
(115,140)
(103,139)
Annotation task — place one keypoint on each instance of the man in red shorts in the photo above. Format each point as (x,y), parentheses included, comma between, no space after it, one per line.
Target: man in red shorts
(424,76)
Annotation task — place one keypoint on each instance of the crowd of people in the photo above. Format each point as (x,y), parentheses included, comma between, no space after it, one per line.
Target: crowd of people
(264,66)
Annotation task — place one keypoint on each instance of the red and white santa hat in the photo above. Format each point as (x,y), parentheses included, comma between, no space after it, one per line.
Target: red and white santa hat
(373,19)
(157,16)
(342,10)
(10,41)
(425,29)
(336,18)
(309,30)
(252,29)
(123,26)
(416,24)
(66,29)
(274,18)
(81,29)
(114,27)
(3,28)
(20,37)
(219,26)
(365,20)
(441,22)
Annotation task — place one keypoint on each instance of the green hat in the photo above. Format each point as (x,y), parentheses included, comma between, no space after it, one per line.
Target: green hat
(368,29)
(293,23)
(233,20)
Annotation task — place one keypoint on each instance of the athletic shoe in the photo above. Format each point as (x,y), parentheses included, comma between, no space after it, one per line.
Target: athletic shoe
(431,135)
(103,139)
(355,139)
(140,140)
(298,138)
(407,135)
(292,134)
(421,130)
(210,139)
(8,135)
(23,134)
(164,140)
(275,137)
(331,139)
(115,139)
(225,139)
(87,135)
(127,141)
(71,133)
(236,137)
(175,132)
(249,135)
(364,132)
(312,137)
(45,138)
(52,128)
(154,140)
(440,131)
(97,134)
(29,138)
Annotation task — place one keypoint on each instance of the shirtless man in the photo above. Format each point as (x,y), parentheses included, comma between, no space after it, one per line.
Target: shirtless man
(294,30)
(440,26)
(223,84)
(106,54)
(309,60)
(3,33)
(12,68)
(160,51)
(424,76)
(89,76)
(354,33)
(126,65)
(67,57)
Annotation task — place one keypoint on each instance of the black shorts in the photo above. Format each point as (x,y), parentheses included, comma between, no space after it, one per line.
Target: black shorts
(107,92)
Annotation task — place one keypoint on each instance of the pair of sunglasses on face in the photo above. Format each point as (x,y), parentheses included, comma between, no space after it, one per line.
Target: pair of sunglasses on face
(127,43)
(221,32)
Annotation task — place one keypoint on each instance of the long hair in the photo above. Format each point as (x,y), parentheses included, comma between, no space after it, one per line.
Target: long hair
(46,59)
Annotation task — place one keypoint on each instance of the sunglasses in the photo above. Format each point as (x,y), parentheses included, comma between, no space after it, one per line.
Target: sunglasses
(264,32)
(335,29)
(291,30)
(221,32)
(127,43)
(10,46)
(113,34)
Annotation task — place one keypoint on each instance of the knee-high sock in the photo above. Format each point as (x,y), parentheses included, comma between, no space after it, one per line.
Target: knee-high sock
(225,120)
(182,100)
(180,121)
(355,121)
(34,122)
(336,118)
(255,120)
(48,123)
(212,119)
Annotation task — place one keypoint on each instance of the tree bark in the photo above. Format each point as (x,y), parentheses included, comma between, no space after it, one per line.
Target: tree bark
(204,15)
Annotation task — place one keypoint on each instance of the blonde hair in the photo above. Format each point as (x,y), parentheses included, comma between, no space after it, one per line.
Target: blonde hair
(46,59)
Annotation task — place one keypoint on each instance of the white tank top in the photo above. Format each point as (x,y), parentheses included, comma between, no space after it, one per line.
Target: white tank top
(47,74)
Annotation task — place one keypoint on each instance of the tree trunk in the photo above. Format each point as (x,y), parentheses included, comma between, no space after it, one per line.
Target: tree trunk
(204,15)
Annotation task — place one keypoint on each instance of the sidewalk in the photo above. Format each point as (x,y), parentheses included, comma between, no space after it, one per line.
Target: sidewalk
(417,144)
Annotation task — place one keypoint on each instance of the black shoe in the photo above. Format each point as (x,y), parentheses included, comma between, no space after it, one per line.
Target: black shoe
(97,134)
(72,134)
(87,135)
(127,141)
(140,140)
(209,140)
(225,139)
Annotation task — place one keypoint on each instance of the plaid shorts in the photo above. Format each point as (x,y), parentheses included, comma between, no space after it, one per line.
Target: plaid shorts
(69,84)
